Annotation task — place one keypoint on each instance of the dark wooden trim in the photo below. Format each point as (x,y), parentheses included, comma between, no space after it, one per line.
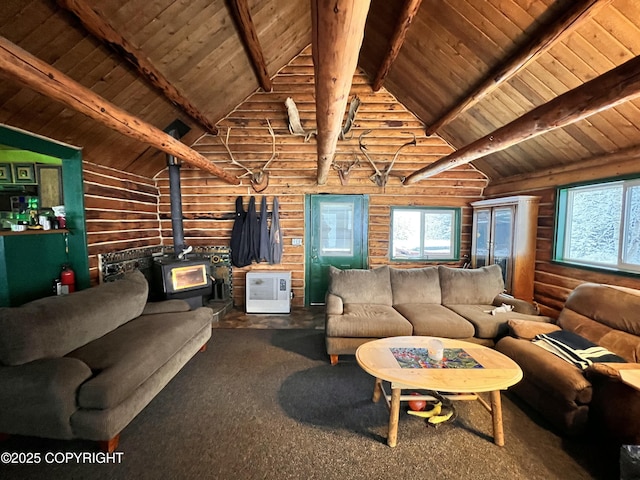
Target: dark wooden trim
(617,86)
(242,16)
(406,17)
(99,27)
(23,68)
(576,14)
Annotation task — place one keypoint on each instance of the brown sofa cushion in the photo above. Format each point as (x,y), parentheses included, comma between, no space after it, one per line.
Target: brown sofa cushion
(54,326)
(615,307)
(125,358)
(415,285)
(547,371)
(435,321)
(621,343)
(487,325)
(528,329)
(470,286)
(361,286)
(367,320)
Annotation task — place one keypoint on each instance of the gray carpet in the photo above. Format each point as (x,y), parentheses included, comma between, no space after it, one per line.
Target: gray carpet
(265,404)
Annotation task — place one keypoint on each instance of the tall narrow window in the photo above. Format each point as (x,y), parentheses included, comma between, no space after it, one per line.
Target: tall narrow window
(425,233)
(599,225)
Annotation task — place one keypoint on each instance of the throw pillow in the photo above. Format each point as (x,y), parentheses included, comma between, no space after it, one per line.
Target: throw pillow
(415,285)
(361,286)
(477,286)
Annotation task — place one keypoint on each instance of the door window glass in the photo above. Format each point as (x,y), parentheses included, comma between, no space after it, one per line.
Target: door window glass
(336,229)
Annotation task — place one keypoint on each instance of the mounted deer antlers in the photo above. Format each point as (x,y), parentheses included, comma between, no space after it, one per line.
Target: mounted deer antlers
(260,179)
(380,178)
(351,116)
(344,169)
(295,126)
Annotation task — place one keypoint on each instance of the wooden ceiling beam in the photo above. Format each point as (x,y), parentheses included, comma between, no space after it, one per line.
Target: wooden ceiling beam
(336,38)
(23,68)
(242,16)
(409,11)
(99,27)
(576,14)
(625,161)
(617,86)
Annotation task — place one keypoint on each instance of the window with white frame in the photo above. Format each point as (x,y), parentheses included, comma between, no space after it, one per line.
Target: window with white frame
(419,233)
(599,225)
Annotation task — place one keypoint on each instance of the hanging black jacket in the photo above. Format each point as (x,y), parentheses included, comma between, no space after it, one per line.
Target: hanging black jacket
(236,236)
(250,242)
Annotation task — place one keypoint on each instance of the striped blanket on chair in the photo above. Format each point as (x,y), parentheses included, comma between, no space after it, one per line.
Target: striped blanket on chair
(575,349)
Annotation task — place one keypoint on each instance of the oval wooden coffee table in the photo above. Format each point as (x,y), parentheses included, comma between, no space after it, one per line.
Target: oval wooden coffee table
(468,369)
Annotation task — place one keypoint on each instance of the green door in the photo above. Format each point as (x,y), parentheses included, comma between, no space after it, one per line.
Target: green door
(336,235)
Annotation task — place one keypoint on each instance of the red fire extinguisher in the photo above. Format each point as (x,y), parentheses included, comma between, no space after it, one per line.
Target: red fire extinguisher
(68,278)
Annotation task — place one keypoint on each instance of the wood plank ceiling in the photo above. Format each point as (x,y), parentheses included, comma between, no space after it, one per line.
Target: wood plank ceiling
(449,47)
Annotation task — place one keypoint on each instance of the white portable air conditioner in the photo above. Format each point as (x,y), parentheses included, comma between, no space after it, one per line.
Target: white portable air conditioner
(268,292)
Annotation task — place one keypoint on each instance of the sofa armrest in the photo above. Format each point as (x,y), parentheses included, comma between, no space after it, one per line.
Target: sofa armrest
(333,304)
(39,397)
(519,306)
(166,306)
(528,329)
(616,403)
(611,370)
(37,378)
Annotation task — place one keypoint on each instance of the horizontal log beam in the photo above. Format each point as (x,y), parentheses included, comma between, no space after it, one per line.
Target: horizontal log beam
(337,33)
(617,86)
(621,162)
(99,27)
(20,66)
(409,11)
(242,16)
(577,13)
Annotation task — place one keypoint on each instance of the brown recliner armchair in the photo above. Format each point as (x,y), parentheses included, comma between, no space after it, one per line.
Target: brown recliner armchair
(573,399)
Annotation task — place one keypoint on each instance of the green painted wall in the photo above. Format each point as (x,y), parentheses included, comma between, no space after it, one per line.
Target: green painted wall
(46,252)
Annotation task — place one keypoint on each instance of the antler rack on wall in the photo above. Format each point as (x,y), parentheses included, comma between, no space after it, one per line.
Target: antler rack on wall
(259,179)
(380,177)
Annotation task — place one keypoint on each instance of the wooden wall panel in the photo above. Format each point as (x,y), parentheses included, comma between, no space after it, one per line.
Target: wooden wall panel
(121,212)
(206,200)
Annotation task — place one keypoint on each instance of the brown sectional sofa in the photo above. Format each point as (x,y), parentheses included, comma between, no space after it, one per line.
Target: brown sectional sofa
(363,305)
(570,398)
(84,365)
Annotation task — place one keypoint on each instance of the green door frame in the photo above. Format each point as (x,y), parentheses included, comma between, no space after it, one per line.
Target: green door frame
(73,188)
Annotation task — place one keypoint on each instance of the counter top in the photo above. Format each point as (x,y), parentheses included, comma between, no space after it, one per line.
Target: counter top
(5,233)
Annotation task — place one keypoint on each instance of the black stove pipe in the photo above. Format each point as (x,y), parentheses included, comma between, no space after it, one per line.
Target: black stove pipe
(175,194)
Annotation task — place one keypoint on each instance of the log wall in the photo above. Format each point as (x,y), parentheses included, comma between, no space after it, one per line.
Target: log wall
(121,212)
(208,203)
(554,282)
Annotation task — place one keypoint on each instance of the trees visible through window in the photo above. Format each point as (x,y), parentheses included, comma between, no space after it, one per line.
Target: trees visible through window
(425,233)
(599,225)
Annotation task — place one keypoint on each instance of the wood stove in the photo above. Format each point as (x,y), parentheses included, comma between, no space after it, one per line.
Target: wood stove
(114,265)
(188,279)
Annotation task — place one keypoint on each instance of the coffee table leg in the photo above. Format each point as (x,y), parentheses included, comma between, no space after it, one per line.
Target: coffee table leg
(377,390)
(496,415)
(394,416)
